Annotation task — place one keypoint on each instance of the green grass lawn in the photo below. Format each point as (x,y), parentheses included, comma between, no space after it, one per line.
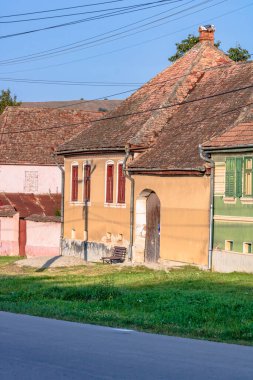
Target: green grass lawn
(184,302)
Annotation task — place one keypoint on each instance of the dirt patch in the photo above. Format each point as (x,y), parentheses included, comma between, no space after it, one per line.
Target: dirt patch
(51,262)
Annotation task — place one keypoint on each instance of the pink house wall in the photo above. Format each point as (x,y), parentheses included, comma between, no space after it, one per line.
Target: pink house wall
(9,236)
(30,179)
(43,239)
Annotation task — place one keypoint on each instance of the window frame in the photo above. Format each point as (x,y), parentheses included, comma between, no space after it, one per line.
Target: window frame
(231,242)
(120,201)
(86,181)
(107,164)
(245,171)
(247,244)
(74,164)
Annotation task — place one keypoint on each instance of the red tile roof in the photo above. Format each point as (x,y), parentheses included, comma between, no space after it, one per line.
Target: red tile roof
(33,145)
(30,204)
(197,121)
(7,211)
(148,119)
(85,105)
(240,135)
(44,219)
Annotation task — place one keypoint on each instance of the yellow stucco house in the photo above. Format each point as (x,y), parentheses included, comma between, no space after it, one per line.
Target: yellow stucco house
(136,178)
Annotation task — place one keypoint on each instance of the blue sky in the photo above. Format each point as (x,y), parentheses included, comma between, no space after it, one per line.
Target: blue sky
(135,58)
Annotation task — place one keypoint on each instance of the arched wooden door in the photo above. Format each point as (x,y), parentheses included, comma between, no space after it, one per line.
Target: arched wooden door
(152,244)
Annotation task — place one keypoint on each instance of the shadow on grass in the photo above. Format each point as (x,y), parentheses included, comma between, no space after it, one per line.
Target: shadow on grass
(185,303)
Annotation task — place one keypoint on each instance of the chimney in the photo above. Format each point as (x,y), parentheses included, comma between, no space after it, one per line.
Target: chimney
(206,33)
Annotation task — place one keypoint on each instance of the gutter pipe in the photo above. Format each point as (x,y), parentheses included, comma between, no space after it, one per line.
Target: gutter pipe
(62,200)
(211,162)
(128,176)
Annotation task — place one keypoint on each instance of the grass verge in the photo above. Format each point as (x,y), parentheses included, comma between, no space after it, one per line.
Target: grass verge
(186,302)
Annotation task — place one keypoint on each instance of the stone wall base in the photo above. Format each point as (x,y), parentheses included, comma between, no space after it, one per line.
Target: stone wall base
(89,251)
(226,262)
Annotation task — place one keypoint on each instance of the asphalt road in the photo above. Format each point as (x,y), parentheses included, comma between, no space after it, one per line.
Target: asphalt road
(37,348)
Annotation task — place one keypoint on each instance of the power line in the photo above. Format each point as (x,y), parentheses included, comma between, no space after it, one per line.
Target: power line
(61,9)
(106,15)
(135,45)
(74,45)
(70,83)
(87,12)
(135,89)
(103,40)
(139,112)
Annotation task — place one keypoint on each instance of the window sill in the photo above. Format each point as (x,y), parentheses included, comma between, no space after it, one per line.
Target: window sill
(115,205)
(246,201)
(229,200)
(77,203)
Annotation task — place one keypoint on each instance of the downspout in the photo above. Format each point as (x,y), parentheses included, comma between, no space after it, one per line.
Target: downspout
(128,176)
(211,162)
(62,200)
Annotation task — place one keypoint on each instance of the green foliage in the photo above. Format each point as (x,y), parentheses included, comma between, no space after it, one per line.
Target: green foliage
(6,99)
(185,302)
(57,212)
(185,45)
(238,54)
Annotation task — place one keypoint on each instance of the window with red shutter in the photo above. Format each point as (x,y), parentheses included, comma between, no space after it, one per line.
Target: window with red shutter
(121,184)
(74,193)
(109,183)
(86,185)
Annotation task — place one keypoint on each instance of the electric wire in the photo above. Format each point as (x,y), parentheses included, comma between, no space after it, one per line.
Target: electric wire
(133,45)
(112,117)
(106,15)
(98,42)
(88,12)
(61,9)
(42,53)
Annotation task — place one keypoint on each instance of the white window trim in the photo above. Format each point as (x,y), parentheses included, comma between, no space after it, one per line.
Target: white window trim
(87,162)
(244,246)
(106,204)
(230,241)
(74,163)
(120,205)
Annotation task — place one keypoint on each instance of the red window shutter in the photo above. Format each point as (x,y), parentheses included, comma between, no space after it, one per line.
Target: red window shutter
(121,184)
(87,172)
(109,183)
(74,195)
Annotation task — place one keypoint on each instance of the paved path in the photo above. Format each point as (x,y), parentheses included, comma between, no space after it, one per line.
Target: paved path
(38,348)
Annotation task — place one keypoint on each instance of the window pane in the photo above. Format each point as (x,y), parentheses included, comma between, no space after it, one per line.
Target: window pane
(248,163)
(109,183)
(74,194)
(87,172)
(248,183)
(121,184)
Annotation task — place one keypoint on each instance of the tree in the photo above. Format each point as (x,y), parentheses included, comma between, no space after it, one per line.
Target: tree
(6,99)
(236,54)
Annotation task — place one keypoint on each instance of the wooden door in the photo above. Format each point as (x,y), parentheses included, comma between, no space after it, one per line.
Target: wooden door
(22,237)
(152,244)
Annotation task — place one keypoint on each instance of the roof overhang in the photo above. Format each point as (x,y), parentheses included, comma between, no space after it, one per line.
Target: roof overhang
(89,151)
(169,172)
(229,149)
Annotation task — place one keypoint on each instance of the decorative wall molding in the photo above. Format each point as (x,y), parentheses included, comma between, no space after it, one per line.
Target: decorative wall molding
(233,219)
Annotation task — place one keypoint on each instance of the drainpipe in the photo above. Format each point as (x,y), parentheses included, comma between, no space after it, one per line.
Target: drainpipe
(128,176)
(62,199)
(211,162)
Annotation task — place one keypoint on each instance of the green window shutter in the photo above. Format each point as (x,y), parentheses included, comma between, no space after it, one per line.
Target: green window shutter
(230,177)
(239,164)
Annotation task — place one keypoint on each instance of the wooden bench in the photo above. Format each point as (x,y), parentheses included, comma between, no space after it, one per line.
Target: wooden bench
(118,256)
